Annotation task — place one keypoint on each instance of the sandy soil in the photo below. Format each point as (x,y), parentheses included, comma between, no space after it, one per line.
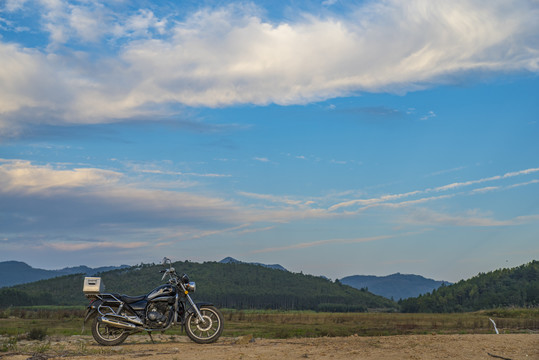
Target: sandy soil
(470,347)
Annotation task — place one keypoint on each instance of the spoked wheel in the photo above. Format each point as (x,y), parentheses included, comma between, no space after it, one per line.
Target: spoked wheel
(107,335)
(207,331)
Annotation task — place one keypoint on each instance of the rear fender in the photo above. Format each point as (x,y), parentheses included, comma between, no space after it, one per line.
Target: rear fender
(91,310)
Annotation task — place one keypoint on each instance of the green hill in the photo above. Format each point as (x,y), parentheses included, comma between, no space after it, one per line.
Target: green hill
(517,287)
(232,285)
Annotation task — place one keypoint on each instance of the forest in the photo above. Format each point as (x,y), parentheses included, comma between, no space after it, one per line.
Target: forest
(516,287)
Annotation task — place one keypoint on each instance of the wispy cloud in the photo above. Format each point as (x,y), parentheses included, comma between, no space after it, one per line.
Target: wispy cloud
(471,218)
(429,115)
(166,168)
(487,179)
(447,171)
(273,198)
(320,243)
(393,199)
(309,244)
(534,181)
(486,189)
(67,247)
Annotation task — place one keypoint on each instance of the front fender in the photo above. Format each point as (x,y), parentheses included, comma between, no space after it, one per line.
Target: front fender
(199,304)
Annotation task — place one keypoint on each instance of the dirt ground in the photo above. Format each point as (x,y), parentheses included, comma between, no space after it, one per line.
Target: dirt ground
(470,347)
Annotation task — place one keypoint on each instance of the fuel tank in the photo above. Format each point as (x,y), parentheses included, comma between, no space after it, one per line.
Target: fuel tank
(163,290)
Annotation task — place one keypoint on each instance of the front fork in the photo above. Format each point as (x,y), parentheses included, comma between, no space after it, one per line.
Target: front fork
(193,305)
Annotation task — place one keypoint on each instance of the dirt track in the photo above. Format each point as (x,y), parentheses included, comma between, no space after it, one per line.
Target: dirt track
(518,346)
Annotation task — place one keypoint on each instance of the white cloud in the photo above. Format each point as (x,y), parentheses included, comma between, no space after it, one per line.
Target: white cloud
(488,179)
(78,246)
(392,200)
(230,55)
(471,218)
(328,2)
(368,202)
(429,115)
(322,242)
(485,189)
(36,197)
(273,198)
(23,177)
(13,5)
(141,24)
(86,23)
(534,181)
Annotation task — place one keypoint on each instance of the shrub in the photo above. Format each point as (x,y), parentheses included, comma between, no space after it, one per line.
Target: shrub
(36,334)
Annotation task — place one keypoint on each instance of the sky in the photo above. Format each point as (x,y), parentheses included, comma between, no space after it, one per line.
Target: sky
(332,137)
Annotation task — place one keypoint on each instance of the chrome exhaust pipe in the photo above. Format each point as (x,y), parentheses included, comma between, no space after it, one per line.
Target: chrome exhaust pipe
(117,323)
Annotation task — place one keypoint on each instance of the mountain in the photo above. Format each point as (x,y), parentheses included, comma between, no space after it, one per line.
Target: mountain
(231,285)
(516,287)
(17,272)
(396,286)
(230,260)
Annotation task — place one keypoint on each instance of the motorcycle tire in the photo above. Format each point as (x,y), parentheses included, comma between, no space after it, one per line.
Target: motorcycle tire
(107,335)
(208,331)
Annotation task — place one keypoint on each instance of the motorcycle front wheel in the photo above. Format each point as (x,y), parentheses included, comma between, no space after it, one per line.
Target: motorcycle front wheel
(107,335)
(207,331)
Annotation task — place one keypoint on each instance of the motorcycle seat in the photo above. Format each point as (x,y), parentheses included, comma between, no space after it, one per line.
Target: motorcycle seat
(132,299)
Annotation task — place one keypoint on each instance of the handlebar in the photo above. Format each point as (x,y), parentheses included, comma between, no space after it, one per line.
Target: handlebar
(170,271)
(167,272)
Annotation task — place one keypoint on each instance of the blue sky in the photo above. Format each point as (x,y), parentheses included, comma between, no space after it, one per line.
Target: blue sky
(331,137)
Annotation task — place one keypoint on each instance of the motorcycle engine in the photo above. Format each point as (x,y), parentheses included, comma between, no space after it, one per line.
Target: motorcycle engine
(157,315)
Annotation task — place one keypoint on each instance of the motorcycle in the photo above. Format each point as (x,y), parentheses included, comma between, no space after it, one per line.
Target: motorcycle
(115,317)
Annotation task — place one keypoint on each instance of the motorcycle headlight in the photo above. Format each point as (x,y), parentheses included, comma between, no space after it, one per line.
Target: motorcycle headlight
(191,287)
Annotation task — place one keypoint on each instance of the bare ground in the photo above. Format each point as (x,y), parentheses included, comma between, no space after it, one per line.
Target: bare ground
(470,347)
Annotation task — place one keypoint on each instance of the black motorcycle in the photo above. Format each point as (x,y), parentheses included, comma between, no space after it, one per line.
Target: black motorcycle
(116,316)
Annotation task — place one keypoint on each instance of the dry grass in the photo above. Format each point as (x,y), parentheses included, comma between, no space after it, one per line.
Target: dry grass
(305,324)
(275,324)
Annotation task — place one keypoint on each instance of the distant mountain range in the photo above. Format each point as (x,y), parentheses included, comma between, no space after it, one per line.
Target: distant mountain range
(230,260)
(396,286)
(17,272)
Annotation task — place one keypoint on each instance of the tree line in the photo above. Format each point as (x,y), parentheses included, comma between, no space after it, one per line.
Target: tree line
(516,287)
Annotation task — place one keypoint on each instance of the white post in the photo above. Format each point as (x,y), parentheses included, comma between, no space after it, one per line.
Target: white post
(493,323)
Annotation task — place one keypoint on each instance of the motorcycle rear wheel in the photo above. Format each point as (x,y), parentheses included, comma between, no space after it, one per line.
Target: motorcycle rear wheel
(107,335)
(208,331)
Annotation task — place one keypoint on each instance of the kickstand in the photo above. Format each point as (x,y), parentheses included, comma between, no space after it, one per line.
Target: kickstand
(151,338)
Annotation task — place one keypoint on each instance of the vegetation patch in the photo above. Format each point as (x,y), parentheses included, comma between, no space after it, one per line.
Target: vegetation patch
(290,324)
